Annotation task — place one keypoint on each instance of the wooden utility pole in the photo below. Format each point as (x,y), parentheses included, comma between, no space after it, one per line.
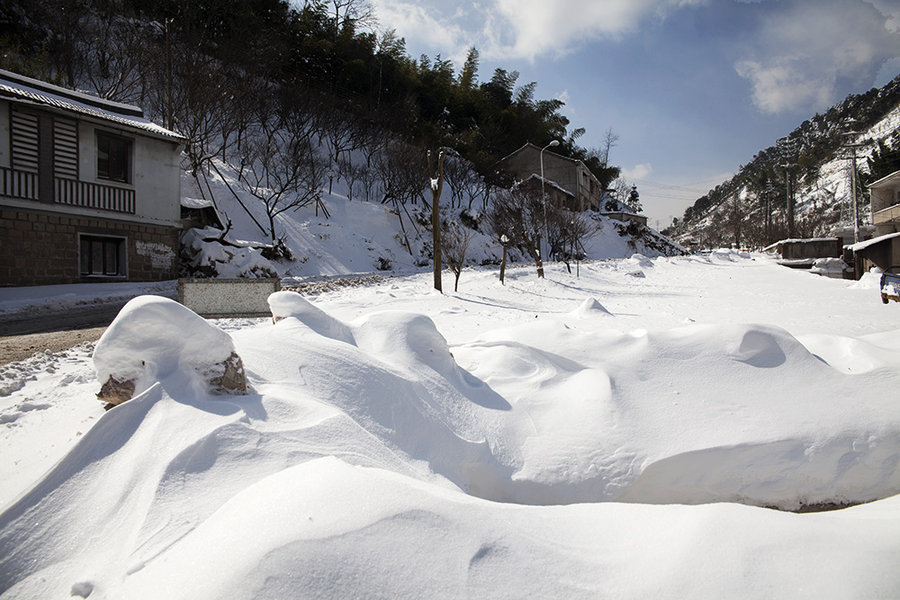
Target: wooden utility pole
(437,184)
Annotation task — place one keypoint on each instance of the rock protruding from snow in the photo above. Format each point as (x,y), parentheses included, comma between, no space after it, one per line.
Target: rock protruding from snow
(153,338)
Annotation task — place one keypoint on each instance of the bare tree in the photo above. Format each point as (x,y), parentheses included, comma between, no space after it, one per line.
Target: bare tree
(519,215)
(280,168)
(400,170)
(455,241)
(460,178)
(568,231)
(112,53)
(341,135)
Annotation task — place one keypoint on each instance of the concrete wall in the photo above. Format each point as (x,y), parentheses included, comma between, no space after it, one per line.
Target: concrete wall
(219,298)
(818,248)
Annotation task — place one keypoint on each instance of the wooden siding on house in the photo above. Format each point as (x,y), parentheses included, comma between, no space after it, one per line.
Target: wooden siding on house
(24,137)
(65,148)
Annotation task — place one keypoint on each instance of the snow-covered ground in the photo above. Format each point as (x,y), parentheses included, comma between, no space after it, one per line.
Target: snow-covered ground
(615,434)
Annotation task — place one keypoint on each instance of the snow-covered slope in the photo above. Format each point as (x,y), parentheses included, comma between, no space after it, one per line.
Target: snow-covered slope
(541,438)
(362,237)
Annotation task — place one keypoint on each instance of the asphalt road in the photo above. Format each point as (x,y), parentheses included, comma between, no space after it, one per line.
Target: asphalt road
(84,316)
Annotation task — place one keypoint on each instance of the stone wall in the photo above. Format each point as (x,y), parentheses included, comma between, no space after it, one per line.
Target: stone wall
(222,298)
(41,248)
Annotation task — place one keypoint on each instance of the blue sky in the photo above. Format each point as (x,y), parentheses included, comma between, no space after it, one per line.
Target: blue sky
(693,88)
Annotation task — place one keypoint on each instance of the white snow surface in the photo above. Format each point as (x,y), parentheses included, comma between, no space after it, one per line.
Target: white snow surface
(612,434)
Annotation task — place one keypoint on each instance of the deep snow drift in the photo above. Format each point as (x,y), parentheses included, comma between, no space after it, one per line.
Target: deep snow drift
(543,438)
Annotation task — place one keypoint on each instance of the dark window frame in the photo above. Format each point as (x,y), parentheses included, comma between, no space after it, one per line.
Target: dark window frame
(102,255)
(114,157)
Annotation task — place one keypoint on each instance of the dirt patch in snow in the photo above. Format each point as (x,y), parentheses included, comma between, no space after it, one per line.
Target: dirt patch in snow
(15,348)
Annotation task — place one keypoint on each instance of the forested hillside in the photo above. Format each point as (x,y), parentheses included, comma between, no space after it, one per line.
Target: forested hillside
(751,208)
(213,68)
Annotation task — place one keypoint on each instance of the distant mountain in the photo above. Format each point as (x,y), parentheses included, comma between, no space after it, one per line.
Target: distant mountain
(751,208)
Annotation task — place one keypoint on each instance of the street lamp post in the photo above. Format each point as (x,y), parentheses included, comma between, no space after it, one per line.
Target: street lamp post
(544,202)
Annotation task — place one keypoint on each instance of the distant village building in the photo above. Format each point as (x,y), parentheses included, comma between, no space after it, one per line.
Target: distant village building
(89,188)
(885,195)
(882,251)
(568,182)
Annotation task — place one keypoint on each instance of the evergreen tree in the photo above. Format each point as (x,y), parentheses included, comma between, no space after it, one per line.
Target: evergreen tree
(634,200)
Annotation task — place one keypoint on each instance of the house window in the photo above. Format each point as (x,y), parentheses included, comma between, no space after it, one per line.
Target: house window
(102,256)
(113,157)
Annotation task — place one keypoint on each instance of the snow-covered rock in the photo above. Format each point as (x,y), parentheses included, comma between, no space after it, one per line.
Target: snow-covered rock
(153,338)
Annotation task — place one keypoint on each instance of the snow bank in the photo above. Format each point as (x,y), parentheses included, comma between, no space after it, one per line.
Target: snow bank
(526,439)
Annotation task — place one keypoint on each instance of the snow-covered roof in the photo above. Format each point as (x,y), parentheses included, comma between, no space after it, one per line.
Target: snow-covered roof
(529,145)
(18,88)
(195,203)
(873,241)
(886,180)
(548,182)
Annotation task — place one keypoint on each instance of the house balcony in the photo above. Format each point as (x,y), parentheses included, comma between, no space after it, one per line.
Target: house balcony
(70,192)
(891,214)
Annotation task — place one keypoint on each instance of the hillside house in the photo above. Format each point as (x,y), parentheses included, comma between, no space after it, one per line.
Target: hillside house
(885,195)
(568,182)
(89,188)
(882,251)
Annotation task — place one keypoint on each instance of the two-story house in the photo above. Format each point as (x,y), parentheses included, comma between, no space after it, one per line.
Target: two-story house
(568,182)
(89,189)
(882,251)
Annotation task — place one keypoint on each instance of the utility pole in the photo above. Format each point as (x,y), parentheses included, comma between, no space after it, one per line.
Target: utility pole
(854,194)
(790,201)
(544,201)
(788,149)
(768,209)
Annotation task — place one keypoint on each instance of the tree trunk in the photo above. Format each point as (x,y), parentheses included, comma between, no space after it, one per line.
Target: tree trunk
(436,186)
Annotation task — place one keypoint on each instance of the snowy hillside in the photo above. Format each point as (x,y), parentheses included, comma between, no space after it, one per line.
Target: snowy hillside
(362,237)
(820,155)
(610,435)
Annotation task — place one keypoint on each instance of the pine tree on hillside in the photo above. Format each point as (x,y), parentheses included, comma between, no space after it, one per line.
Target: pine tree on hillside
(634,200)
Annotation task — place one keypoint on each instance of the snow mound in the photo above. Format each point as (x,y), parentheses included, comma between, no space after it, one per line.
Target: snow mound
(591,306)
(405,339)
(287,304)
(868,281)
(153,337)
(640,260)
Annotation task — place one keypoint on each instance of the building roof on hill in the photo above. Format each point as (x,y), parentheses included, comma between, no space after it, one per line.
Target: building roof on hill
(25,90)
(529,145)
(874,241)
(886,180)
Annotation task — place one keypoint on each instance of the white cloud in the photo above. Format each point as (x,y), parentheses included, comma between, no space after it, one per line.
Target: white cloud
(803,49)
(638,172)
(518,29)
(541,27)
